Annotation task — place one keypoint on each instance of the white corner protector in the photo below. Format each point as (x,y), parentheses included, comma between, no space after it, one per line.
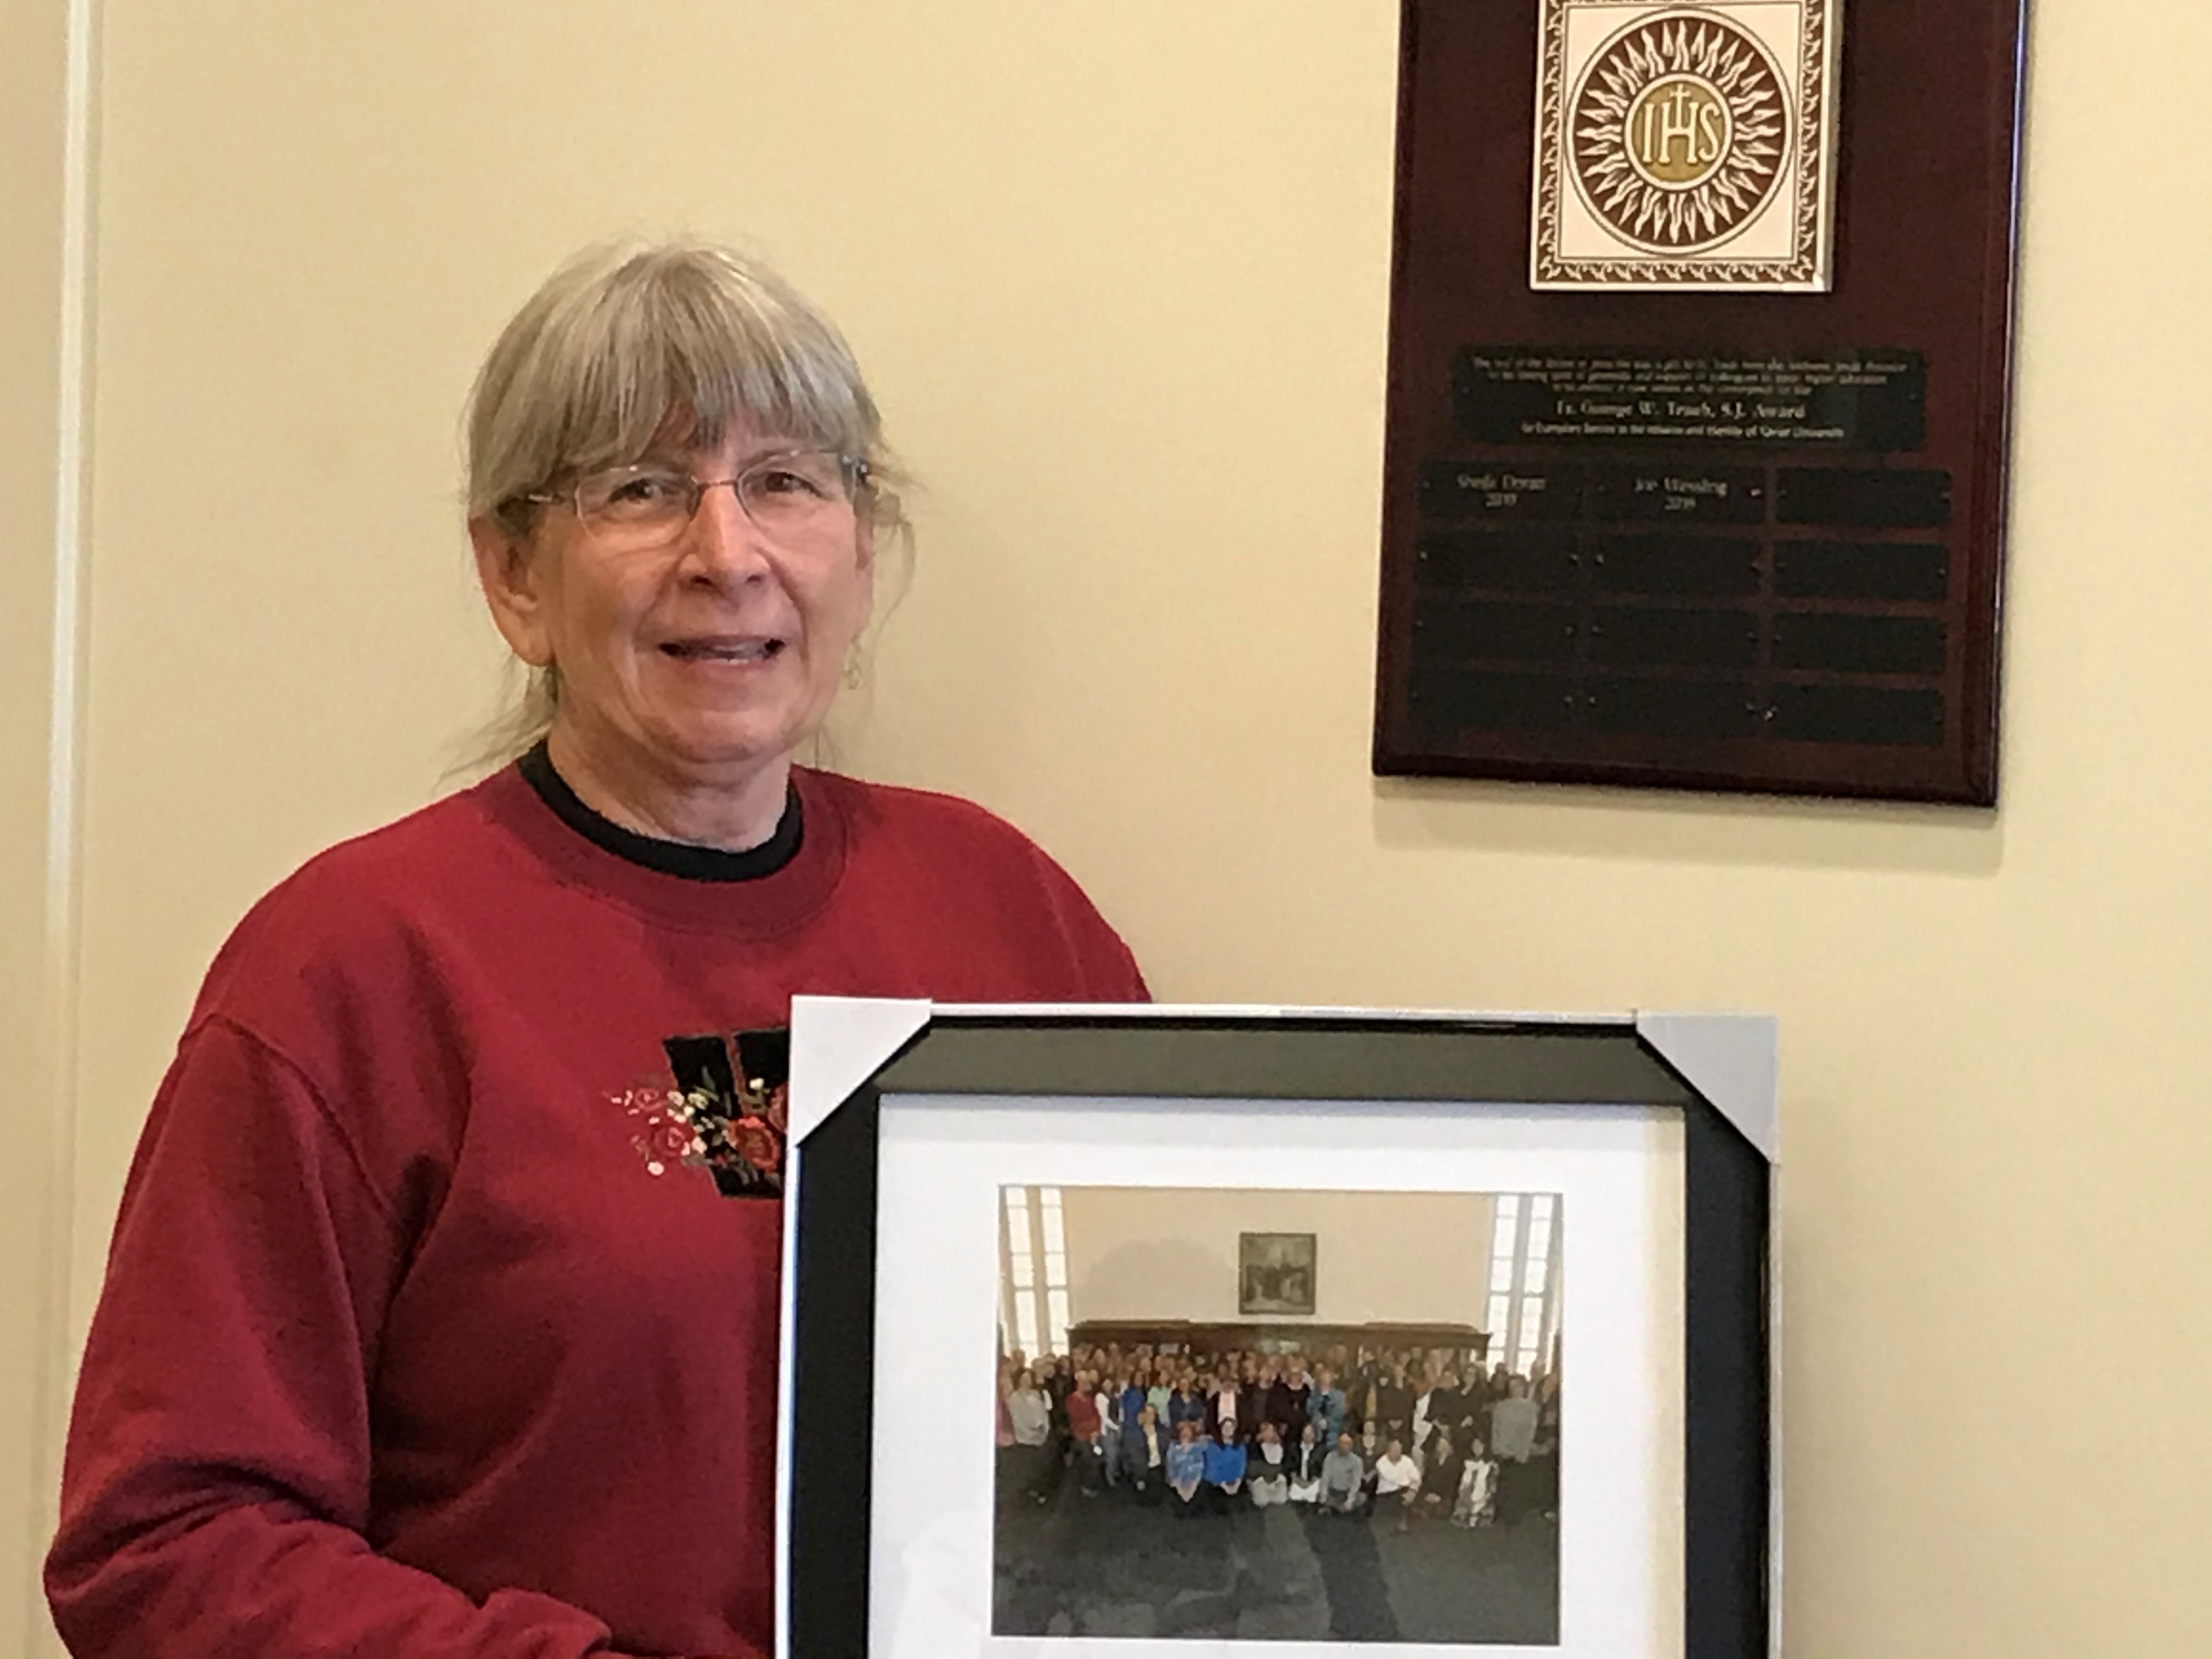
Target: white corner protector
(836,1044)
(1732,1060)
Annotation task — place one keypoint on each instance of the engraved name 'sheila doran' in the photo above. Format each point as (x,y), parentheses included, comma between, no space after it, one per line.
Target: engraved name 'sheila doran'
(1503,491)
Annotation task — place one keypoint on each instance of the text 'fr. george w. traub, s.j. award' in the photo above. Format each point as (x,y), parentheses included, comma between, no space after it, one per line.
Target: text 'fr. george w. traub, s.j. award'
(1685,146)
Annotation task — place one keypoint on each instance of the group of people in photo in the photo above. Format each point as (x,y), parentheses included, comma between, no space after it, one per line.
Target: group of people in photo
(1399,1433)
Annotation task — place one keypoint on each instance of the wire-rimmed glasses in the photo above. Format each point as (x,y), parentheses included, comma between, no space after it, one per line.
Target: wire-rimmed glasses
(791,495)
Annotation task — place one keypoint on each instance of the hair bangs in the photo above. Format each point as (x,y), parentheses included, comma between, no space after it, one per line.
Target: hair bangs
(669,347)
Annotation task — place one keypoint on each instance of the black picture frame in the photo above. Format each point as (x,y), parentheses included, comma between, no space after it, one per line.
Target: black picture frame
(1718,1071)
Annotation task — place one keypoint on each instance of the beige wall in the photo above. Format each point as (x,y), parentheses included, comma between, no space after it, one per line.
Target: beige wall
(41,242)
(1400,1258)
(1120,272)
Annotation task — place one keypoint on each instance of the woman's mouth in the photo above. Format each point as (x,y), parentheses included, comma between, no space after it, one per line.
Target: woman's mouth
(723,648)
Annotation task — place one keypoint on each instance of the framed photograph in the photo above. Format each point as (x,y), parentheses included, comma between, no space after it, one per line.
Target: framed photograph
(1061,1379)
(1275,1272)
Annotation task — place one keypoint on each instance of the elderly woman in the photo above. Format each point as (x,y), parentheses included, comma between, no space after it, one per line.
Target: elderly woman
(440,1315)
(1028,1410)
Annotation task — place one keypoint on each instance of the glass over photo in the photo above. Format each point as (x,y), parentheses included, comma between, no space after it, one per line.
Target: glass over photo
(1260,1414)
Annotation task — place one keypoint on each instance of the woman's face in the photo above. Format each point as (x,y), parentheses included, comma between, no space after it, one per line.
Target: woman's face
(700,661)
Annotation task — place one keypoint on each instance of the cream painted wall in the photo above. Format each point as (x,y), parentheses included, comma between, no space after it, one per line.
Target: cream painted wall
(1120,272)
(1400,1258)
(41,128)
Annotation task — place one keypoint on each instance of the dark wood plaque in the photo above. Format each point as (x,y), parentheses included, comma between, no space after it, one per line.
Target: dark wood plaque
(1711,539)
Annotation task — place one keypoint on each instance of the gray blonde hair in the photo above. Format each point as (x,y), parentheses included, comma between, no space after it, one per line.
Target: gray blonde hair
(629,343)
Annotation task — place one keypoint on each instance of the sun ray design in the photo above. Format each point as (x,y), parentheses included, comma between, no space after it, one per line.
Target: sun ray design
(1679,132)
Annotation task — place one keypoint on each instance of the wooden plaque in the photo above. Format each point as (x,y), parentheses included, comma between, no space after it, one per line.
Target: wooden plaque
(1700,380)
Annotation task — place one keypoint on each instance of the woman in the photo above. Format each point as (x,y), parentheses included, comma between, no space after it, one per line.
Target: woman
(1540,1477)
(1371,1449)
(1156,1396)
(1107,1402)
(1513,1442)
(1441,1468)
(1306,1459)
(1186,1404)
(1286,1402)
(1186,1470)
(1224,1471)
(1221,1410)
(1325,1406)
(1145,1455)
(440,1315)
(1478,1489)
(1427,1397)
(1029,1408)
(1253,1392)
(1393,1402)
(1267,1468)
(1133,1402)
(1086,1434)
(1007,1458)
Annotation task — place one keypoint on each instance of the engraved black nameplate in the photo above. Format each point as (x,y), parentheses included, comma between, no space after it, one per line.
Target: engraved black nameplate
(1871,399)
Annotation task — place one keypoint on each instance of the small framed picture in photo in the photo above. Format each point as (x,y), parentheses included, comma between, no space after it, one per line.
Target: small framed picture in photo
(1275,1273)
(1062,1379)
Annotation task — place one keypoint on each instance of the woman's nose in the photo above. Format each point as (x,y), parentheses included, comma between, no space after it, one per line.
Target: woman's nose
(721,537)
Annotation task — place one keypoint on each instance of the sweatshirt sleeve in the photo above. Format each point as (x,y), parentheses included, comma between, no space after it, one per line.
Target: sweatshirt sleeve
(216,1482)
(1106,969)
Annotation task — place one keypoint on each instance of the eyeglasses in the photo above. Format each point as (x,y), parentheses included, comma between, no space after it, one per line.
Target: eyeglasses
(791,495)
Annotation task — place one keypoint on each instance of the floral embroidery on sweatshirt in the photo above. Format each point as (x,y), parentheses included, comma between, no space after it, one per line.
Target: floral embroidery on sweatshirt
(726,1114)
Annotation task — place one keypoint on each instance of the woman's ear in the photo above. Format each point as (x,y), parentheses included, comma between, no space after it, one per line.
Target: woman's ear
(508,573)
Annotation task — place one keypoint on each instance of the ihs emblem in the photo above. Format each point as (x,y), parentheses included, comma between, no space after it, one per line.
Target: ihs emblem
(1684,146)
(1677,134)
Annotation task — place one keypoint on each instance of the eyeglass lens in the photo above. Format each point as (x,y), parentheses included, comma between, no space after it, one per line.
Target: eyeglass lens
(786,493)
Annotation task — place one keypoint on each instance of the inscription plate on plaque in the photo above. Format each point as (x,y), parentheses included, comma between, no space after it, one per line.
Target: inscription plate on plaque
(1565,394)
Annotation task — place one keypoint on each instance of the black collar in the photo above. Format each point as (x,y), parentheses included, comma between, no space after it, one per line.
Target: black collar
(670,858)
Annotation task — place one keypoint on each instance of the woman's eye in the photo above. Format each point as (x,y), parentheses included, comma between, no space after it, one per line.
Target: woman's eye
(781,481)
(646,490)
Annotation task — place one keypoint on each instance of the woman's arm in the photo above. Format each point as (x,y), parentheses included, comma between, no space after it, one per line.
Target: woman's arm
(216,1493)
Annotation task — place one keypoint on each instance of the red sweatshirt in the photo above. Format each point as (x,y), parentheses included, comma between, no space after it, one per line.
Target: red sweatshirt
(428,1329)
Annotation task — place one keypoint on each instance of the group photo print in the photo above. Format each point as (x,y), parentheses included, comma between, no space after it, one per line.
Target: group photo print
(1272,1414)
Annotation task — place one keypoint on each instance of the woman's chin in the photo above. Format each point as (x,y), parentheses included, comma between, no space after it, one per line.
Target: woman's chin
(735,742)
